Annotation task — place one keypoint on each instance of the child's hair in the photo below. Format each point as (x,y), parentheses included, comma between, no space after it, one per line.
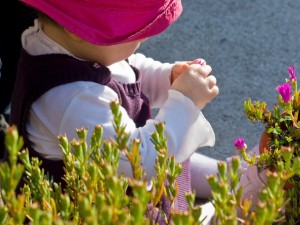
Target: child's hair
(104,22)
(44,18)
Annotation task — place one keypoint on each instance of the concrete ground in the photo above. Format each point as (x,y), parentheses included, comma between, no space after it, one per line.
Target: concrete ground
(249,45)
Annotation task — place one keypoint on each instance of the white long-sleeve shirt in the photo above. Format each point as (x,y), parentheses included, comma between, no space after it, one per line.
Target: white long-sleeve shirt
(86,104)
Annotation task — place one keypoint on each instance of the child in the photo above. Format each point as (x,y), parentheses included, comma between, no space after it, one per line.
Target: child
(80,55)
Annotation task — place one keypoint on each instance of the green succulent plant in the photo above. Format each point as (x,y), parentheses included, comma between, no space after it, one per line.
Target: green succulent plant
(95,192)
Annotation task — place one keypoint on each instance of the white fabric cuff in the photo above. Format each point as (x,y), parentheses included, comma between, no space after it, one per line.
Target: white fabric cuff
(186,126)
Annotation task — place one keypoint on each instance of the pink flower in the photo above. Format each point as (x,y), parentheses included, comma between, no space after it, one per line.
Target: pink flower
(239,143)
(285,91)
(292,71)
(198,61)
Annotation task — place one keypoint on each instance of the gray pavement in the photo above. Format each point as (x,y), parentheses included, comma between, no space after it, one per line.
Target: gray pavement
(249,45)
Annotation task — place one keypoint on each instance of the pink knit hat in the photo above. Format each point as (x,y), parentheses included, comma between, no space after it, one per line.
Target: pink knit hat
(108,22)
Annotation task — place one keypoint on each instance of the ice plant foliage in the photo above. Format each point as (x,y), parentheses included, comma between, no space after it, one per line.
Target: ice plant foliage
(227,196)
(95,192)
(281,123)
(280,142)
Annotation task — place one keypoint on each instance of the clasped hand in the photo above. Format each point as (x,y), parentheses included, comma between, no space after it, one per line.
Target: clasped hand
(193,79)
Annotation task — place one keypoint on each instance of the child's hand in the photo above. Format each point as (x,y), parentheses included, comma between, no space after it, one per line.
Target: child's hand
(180,67)
(196,84)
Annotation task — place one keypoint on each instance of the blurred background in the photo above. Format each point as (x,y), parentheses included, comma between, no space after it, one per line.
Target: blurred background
(249,45)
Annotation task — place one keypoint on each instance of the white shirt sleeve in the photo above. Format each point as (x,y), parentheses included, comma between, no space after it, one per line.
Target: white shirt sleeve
(87,105)
(156,78)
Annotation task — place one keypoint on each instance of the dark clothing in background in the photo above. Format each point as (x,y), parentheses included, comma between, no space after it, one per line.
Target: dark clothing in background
(19,18)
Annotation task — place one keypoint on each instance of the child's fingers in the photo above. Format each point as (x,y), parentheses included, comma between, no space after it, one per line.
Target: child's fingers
(198,61)
(178,69)
(214,90)
(212,81)
(212,87)
(204,71)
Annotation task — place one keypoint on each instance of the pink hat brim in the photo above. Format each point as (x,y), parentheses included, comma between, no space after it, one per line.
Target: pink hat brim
(104,22)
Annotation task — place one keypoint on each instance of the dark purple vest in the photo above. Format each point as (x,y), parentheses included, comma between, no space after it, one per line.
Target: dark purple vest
(38,74)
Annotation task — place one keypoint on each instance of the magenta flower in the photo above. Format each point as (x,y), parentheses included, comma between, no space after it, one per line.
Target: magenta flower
(239,143)
(199,61)
(292,71)
(285,91)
